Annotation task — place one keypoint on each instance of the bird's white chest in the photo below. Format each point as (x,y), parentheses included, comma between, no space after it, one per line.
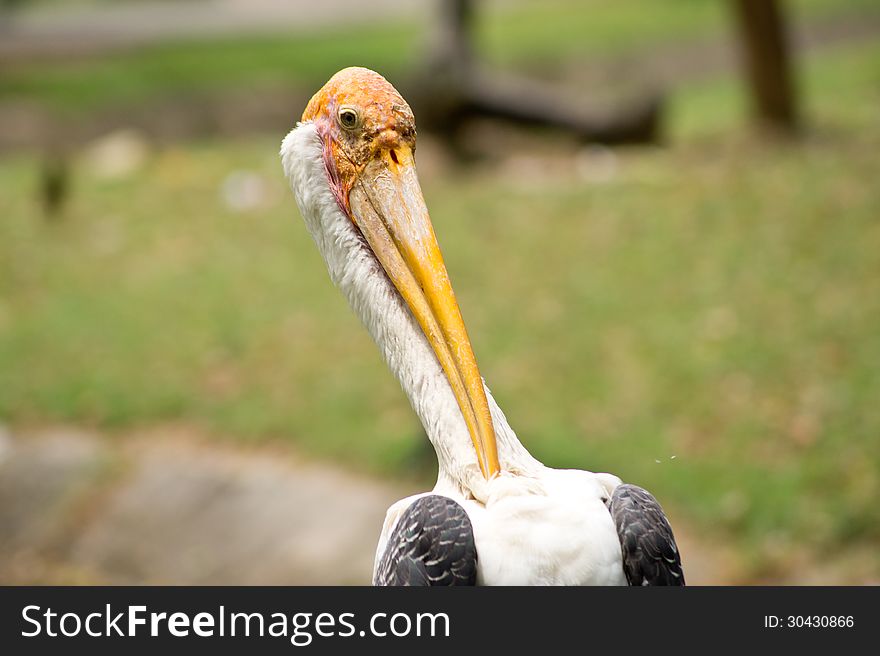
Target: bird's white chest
(558,533)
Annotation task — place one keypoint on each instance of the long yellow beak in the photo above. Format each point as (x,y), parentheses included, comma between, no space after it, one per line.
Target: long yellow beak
(387,206)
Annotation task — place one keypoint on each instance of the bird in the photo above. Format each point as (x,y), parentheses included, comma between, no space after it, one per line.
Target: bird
(497,515)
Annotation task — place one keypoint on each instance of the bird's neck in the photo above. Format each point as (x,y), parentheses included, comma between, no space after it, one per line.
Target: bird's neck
(356,272)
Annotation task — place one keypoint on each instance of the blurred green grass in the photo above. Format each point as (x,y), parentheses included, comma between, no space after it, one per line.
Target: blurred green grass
(527,34)
(703,323)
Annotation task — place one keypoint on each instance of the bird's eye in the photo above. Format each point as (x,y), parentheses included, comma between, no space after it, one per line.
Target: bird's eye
(348,118)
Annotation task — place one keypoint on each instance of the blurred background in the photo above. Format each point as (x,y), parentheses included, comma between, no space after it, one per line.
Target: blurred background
(662,220)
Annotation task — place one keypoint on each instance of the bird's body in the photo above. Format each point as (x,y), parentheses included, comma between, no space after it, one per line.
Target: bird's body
(549,528)
(495,511)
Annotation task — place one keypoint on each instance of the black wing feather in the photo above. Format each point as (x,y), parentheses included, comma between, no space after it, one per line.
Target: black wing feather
(432,544)
(650,555)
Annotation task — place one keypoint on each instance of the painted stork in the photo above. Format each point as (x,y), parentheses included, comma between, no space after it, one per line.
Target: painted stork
(496,516)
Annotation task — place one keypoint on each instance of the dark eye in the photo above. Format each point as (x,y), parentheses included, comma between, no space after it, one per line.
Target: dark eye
(348,118)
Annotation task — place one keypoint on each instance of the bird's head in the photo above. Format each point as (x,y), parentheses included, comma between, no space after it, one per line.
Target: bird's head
(368,135)
(362,121)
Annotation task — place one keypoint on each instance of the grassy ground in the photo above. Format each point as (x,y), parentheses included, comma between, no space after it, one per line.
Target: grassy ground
(702,319)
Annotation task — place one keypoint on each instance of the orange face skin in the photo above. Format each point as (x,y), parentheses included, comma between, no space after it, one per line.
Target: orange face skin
(384,122)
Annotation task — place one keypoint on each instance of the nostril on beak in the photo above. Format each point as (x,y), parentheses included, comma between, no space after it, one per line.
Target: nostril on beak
(394,156)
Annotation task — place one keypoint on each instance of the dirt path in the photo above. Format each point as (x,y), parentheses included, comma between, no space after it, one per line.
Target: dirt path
(166,506)
(54,31)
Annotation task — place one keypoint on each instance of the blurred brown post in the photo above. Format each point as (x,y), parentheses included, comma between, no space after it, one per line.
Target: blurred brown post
(456,24)
(767,61)
(54,184)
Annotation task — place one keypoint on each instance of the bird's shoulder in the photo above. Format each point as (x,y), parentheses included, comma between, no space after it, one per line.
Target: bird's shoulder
(431,543)
(650,553)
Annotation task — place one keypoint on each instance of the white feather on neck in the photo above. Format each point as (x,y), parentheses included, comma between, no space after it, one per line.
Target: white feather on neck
(355,271)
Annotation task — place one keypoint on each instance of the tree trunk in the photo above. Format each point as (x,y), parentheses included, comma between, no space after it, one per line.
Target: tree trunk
(767,62)
(453,87)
